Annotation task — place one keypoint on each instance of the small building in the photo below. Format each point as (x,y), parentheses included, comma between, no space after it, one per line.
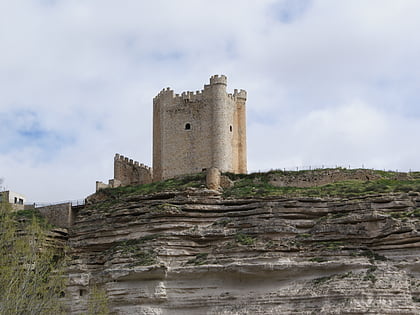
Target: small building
(16,200)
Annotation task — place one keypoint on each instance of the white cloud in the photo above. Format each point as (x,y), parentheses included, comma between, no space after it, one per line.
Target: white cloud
(331,82)
(354,134)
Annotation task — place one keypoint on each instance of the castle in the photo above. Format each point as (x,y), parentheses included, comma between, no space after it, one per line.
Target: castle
(192,132)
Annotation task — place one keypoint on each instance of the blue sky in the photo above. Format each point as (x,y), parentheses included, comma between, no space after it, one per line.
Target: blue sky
(331,82)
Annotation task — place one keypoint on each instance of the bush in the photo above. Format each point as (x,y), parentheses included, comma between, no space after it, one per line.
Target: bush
(31,268)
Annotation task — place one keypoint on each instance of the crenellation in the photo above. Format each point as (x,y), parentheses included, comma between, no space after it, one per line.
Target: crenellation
(216,79)
(192,131)
(197,130)
(127,172)
(240,94)
(165,93)
(185,96)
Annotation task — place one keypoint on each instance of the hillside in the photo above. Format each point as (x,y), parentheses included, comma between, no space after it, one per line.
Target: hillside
(347,246)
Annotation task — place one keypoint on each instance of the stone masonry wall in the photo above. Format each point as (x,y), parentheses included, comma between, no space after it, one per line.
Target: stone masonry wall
(59,215)
(197,131)
(130,172)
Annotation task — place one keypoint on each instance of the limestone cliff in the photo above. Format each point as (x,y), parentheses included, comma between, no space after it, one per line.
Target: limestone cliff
(197,251)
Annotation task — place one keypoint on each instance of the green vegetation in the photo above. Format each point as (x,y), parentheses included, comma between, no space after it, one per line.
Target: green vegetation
(199,259)
(258,184)
(331,245)
(178,183)
(304,235)
(321,280)
(29,214)
(369,274)
(97,302)
(222,222)
(244,239)
(270,244)
(167,207)
(372,256)
(31,268)
(404,214)
(145,258)
(136,248)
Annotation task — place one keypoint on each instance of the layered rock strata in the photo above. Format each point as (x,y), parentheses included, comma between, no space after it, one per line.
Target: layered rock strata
(195,252)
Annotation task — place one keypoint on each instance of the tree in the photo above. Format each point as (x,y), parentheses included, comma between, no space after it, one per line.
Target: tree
(31,267)
(98,302)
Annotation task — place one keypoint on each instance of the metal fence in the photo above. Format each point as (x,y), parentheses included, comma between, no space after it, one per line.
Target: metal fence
(320,167)
(78,202)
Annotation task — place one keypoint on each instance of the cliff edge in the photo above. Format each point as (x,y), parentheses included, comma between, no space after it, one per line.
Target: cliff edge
(347,247)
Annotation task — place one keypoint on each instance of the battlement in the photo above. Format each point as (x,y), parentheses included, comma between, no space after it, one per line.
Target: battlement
(165,93)
(127,161)
(198,95)
(240,94)
(197,130)
(192,132)
(216,79)
(176,98)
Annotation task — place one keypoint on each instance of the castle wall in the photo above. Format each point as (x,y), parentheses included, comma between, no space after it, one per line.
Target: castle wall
(181,135)
(240,132)
(59,215)
(129,172)
(197,131)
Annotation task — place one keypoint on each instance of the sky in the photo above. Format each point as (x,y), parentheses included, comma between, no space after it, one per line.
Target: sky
(329,83)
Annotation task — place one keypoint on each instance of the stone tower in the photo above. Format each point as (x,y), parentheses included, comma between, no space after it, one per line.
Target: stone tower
(193,132)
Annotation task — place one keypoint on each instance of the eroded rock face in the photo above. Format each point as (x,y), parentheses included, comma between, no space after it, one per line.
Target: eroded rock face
(194,252)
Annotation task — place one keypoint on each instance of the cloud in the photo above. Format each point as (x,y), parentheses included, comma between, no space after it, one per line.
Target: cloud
(329,81)
(353,135)
(289,11)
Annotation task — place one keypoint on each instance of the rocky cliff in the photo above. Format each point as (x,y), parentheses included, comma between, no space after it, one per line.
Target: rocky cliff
(197,251)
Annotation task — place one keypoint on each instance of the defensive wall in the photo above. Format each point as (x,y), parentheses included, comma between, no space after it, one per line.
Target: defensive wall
(60,215)
(127,172)
(194,131)
(130,172)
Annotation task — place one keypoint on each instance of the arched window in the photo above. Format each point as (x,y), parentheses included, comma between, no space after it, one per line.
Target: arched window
(187,126)
(230,128)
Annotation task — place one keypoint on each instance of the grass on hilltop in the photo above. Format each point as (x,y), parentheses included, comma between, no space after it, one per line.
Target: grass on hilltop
(177,183)
(258,185)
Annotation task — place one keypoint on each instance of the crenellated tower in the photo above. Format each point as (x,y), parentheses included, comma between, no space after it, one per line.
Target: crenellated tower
(195,131)
(192,132)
